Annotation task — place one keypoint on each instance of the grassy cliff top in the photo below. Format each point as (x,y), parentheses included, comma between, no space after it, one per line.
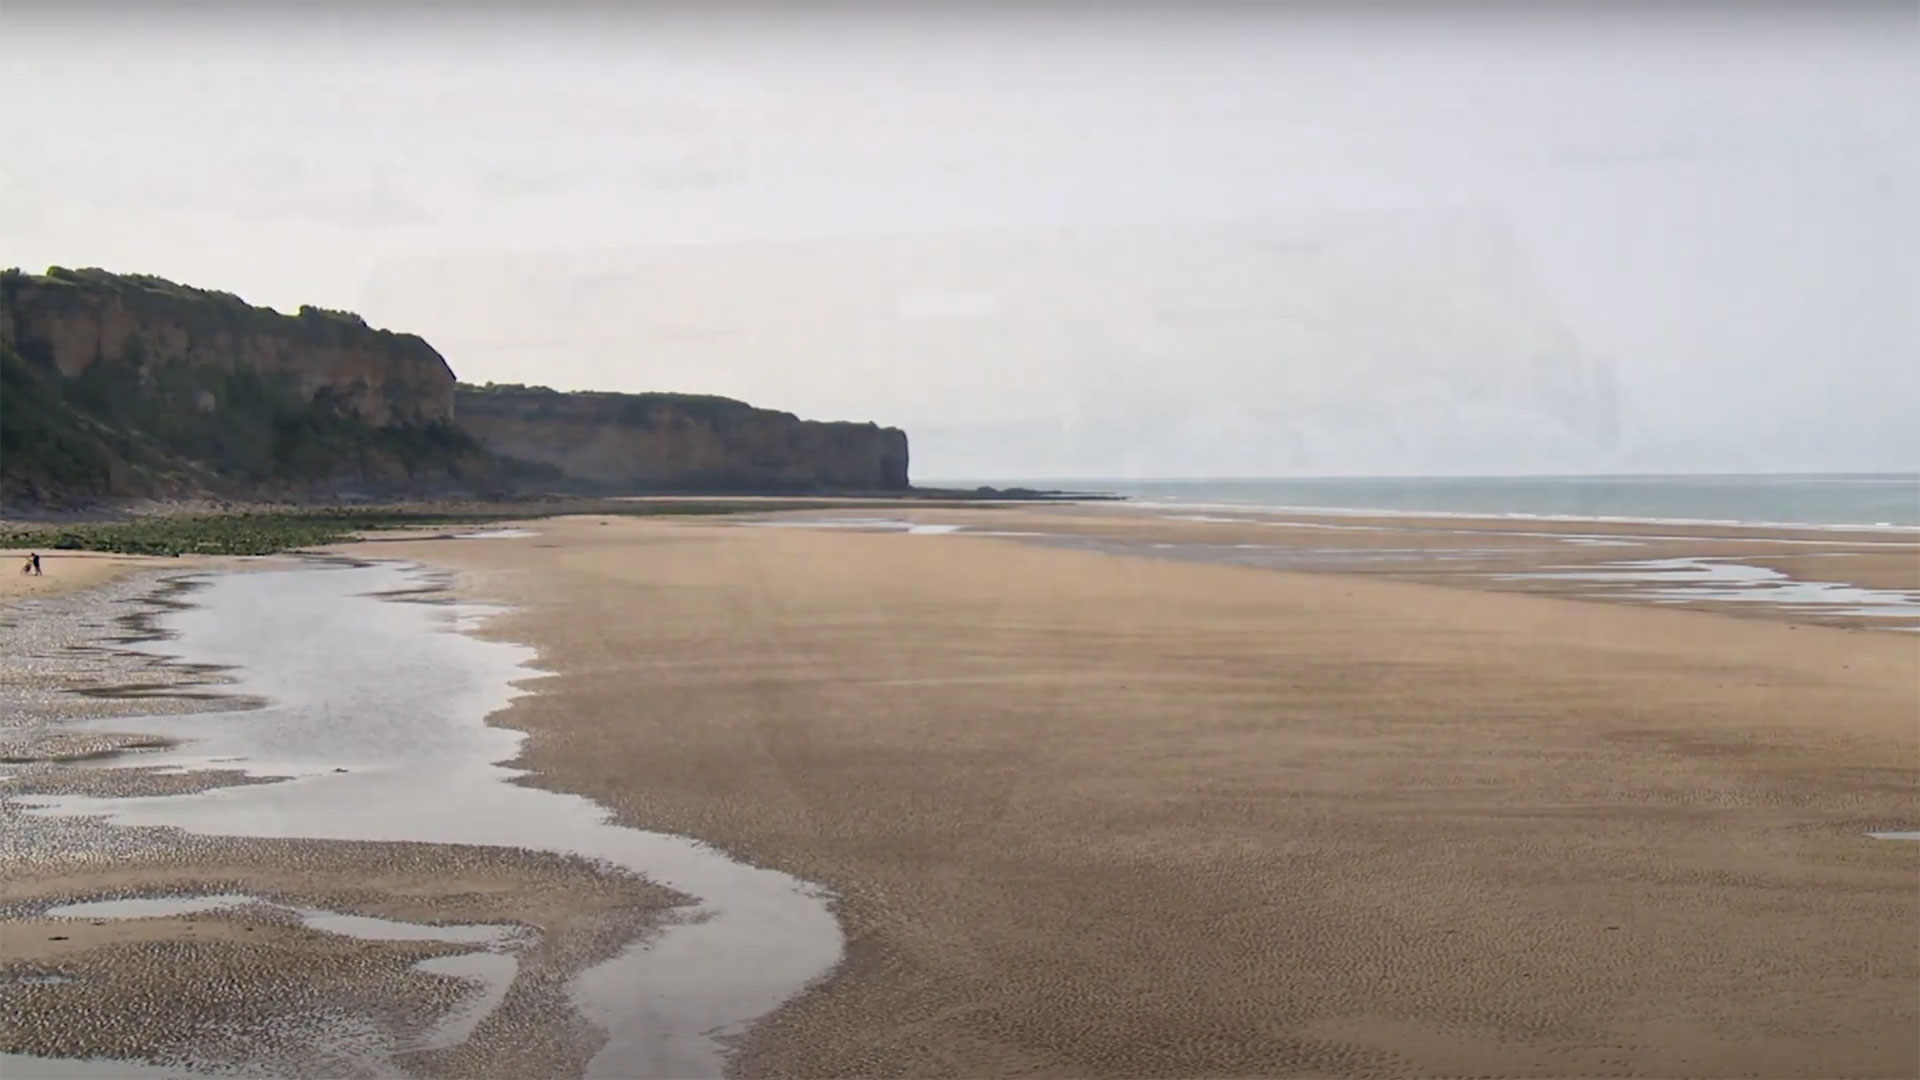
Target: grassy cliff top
(151,294)
(635,407)
(662,396)
(624,407)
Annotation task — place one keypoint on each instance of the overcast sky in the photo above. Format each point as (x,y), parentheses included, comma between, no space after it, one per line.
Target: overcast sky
(1051,241)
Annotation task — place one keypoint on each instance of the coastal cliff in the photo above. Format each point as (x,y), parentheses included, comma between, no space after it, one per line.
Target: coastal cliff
(117,386)
(77,320)
(132,385)
(680,442)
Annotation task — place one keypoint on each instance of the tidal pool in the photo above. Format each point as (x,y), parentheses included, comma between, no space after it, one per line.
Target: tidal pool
(377,699)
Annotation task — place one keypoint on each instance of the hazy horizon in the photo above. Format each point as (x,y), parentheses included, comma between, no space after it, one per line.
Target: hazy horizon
(1052,242)
(1834,474)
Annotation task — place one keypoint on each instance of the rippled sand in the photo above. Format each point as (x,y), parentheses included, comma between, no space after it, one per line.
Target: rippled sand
(253,987)
(1098,808)
(1112,815)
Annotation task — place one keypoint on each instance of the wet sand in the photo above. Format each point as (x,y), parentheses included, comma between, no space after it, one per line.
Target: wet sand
(249,985)
(1111,815)
(1089,812)
(1854,577)
(211,989)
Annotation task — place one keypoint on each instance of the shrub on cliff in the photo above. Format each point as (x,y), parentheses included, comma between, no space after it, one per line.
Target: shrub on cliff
(107,431)
(45,445)
(155,417)
(204,310)
(634,409)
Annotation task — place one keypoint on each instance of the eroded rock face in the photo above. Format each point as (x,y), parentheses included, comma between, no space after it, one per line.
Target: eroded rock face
(130,385)
(133,386)
(141,327)
(681,442)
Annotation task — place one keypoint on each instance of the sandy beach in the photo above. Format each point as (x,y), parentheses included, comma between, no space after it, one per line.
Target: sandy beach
(1141,541)
(64,571)
(1096,815)
(1091,812)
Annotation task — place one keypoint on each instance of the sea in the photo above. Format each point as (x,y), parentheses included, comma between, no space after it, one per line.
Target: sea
(1883,500)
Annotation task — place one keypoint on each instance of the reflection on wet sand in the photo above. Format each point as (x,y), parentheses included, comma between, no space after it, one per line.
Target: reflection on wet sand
(1720,580)
(374,729)
(1498,554)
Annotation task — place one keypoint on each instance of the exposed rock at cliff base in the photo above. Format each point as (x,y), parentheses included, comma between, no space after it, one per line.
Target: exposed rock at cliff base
(680,442)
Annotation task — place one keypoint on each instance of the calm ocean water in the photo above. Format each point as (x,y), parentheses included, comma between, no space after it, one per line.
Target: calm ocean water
(1830,499)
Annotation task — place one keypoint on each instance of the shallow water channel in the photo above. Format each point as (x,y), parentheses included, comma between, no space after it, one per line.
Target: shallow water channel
(376,718)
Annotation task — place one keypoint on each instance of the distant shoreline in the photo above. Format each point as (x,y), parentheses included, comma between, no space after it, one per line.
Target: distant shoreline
(1800,501)
(207,527)
(1829,503)
(519,504)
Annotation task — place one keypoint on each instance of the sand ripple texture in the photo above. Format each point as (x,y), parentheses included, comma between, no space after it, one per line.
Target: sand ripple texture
(289,981)
(1099,816)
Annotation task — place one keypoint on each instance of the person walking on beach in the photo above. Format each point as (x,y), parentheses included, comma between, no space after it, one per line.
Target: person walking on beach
(32,565)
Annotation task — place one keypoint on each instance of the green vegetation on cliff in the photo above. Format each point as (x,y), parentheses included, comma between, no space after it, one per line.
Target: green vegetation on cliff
(184,429)
(132,424)
(131,385)
(632,409)
(201,310)
(45,442)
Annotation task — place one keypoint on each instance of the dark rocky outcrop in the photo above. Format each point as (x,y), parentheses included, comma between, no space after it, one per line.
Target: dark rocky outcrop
(680,442)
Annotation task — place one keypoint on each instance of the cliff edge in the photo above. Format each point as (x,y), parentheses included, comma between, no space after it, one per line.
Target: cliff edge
(680,442)
(132,385)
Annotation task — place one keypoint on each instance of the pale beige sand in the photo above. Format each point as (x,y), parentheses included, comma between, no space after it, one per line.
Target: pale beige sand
(61,571)
(1102,816)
